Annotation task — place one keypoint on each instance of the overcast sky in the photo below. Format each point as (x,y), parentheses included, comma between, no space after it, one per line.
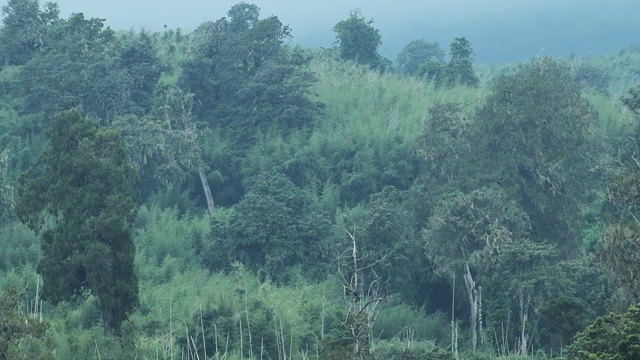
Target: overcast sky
(499,30)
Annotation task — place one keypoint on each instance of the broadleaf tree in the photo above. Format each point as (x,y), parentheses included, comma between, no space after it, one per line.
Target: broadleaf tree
(358,40)
(80,199)
(416,53)
(531,138)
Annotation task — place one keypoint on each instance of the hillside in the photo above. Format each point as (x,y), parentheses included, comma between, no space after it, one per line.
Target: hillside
(358,209)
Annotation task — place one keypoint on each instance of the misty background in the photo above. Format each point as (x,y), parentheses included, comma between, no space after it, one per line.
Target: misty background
(499,30)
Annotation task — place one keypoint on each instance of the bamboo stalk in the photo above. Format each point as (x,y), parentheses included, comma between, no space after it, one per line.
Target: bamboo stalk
(204,343)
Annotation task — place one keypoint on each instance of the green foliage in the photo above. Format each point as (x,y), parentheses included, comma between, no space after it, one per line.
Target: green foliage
(139,57)
(619,250)
(459,70)
(75,70)
(611,337)
(590,76)
(18,246)
(83,64)
(25,29)
(511,173)
(245,79)
(163,146)
(358,40)
(387,237)
(340,342)
(518,276)
(472,227)
(21,334)
(273,229)
(533,128)
(632,99)
(164,239)
(209,309)
(402,322)
(443,142)
(416,54)
(410,349)
(619,256)
(85,185)
(567,316)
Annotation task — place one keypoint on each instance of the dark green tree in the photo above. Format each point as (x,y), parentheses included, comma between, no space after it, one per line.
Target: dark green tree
(272,230)
(358,40)
(76,69)
(84,65)
(416,54)
(25,29)
(388,237)
(139,58)
(459,70)
(525,271)
(245,79)
(85,185)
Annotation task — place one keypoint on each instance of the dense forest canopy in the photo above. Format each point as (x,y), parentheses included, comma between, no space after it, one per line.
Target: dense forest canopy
(221,193)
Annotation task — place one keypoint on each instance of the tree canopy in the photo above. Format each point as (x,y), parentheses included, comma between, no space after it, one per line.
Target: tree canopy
(358,40)
(416,53)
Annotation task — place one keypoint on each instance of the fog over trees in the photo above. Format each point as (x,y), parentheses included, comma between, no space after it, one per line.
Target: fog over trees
(229,191)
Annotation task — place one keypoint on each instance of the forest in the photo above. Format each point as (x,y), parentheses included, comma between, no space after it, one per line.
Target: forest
(223,194)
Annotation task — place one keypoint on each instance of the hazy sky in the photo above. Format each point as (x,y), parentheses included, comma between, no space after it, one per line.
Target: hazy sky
(499,30)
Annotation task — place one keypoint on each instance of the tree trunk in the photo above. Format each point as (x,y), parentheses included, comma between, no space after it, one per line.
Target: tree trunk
(110,321)
(473,304)
(207,191)
(480,327)
(524,315)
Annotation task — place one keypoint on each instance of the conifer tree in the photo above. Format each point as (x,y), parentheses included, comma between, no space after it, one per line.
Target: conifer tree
(84,185)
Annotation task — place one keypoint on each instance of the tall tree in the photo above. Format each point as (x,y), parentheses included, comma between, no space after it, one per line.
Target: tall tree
(460,67)
(358,40)
(531,138)
(246,81)
(84,183)
(84,65)
(620,250)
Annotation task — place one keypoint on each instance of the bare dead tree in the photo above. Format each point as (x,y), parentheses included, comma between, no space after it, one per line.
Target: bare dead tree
(364,289)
